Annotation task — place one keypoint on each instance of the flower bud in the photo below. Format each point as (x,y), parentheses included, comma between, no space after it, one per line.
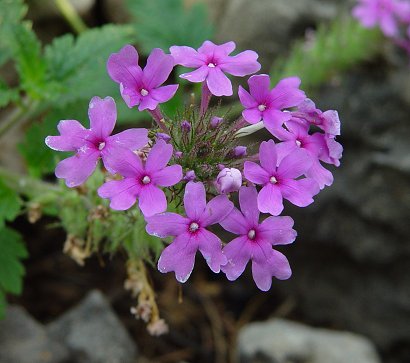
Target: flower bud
(216,121)
(190,175)
(229,180)
(185,126)
(163,136)
(178,154)
(239,151)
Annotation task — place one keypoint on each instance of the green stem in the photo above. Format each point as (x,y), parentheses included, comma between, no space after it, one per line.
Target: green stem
(71,15)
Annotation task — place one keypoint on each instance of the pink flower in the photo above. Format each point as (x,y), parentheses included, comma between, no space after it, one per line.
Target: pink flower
(190,232)
(142,181)
(228,180)
(268,105)
(384,13)
(255,242)
(212,62)
(280,181)
(142,87)
(91,144)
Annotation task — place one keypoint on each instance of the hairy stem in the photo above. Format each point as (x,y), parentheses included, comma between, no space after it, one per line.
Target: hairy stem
(71,15)
(159,119)
(205,98)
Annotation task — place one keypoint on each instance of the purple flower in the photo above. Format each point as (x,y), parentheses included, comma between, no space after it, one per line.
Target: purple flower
(228,180)
(142,181)
(255,242)
(190,232)
(380,12)
(212,62)
(91,144)
(280,181)
(142,87)
(265,104)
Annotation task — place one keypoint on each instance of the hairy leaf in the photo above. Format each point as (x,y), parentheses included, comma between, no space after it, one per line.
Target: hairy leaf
(9,206)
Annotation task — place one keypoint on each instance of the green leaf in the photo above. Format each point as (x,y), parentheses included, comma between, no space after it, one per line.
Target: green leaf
(163,23)
(76,68)
(7,94)
(9,204)
(11,269)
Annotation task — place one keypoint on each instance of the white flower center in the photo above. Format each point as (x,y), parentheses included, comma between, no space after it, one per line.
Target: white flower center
(261,108)
(193,227)
(146,179)
(298,143)
(251,234)
(211,65)
(144,92)
(273,180)
(101,146)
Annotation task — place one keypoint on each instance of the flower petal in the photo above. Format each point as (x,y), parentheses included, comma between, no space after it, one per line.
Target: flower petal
(210,247)
(76,169)
(320,174)
(295,164)
(255,173)
(73,136)
(122,193)
(270,200)
(168,176)
(218,83)
(300,192)
(238,253)
(252,115)
(152,200)
(165,93)
(248,200)
(216,210)
(277,230)
(103,115)
(268,156)
(259,87)
(235,222)
(274,119)
(159,67)
(199,75)
(159,156)
(241,64)
(187,56)
(166,224)
(123,162)
(287,93)
(132,139)
(194,200)
(179,256)
(246,99)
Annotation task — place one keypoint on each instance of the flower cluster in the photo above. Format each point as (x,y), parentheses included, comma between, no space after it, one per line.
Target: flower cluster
(195,159)
(392,16)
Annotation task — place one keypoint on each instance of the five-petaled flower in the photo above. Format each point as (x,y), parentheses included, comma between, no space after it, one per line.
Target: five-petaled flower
(269,105)
(280,181)
(255,242)
(91,144)
(212,62)
(142,87)
(190,232)
(142,181)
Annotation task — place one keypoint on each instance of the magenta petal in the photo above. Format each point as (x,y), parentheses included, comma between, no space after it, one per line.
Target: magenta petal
(216,210)
(300,192)
(268,156)
(168,176)
(152,200)
(315,144)
(122,193)
(252,115)
(274,119)
(295,164)
(259,87)
(194,200)
(235,222)
(159,156)
(388,25)
(249,205)
(220,51)
(254,173)
(179,256)
(320,174)
(73,136)
(199,75)
(238,254)
(166,224)
(241,64)
(270,200)
(103,115)
(132,139)
(210,247)
(158,68)
(76,169)
(277,230)
(148,103)
(285,148)
(287,93)
(123,162)
(187,56)
(218,83)
(246,99)
(165,93)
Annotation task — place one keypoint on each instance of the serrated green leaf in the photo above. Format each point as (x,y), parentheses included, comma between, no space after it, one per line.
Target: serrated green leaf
(11,269)
(7,94)
(163,23)
(9,204)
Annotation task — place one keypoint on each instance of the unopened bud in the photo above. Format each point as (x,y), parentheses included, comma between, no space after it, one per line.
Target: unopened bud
(229,180)
(185,126)
(216,121)
(190,175)
(163,136)
(239,151)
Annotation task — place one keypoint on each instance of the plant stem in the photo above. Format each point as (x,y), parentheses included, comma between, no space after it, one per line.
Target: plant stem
(71,15)
(157,116)
(205,98)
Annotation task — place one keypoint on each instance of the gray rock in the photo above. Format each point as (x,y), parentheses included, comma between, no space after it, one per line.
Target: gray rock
(24,340)
(93,333)
(281,341)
